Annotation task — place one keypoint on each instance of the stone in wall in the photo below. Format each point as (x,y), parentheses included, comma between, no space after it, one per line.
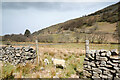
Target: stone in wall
(102,64)
(17,55)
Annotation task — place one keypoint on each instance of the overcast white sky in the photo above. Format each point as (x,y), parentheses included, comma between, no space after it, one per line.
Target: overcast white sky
(18,16)
(60,0)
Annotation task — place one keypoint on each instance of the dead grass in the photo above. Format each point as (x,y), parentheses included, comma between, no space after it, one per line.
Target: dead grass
(72,53)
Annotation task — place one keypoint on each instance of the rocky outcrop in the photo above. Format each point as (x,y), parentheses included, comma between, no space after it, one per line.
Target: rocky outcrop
(17,55)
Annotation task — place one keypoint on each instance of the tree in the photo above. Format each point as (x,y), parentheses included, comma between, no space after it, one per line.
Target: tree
(15,37)
(27,33)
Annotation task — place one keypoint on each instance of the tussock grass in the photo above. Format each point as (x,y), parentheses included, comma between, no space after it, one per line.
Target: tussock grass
(72,53)
(7,71)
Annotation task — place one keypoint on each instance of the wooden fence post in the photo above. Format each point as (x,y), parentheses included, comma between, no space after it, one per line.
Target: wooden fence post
(1,67)
(37,51)
(87,46)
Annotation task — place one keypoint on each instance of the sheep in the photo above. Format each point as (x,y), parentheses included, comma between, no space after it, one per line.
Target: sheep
(59,63)
(46,61)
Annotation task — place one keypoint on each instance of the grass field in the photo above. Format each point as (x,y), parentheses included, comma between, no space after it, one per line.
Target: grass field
(72,53)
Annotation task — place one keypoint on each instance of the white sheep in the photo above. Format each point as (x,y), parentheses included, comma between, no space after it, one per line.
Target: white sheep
(46,61)
(59,62)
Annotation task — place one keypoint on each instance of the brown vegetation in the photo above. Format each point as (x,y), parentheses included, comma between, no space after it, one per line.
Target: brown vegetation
(101,23)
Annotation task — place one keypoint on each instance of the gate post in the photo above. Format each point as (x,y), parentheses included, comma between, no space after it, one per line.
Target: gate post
(37,51)
(87,46)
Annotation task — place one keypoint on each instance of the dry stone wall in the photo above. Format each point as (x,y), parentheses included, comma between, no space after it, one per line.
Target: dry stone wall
(102,64)
(17,55)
